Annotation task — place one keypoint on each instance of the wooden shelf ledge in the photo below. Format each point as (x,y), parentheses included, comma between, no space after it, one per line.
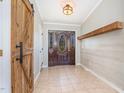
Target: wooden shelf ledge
(1,52)
(108,28)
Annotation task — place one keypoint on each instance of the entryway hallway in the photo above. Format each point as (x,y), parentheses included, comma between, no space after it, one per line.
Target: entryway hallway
(61,46)
(69,79)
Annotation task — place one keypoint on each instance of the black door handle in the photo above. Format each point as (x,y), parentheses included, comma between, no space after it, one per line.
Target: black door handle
(21,52)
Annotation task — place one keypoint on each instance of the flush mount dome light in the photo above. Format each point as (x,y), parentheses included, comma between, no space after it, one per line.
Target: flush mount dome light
(68,10)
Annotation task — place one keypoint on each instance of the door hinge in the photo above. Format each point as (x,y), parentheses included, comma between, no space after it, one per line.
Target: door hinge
(1,52)
(32,9)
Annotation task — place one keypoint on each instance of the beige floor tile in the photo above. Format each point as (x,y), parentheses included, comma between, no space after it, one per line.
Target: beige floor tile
(69,79)
(67,89)
(82,91)
(101,91)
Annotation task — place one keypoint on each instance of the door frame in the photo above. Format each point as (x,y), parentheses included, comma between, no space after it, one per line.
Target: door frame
(61,27)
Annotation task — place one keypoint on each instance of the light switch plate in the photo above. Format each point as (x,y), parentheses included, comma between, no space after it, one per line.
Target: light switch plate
(1,52)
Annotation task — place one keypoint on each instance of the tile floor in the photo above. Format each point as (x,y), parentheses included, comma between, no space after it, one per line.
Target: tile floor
(70,79)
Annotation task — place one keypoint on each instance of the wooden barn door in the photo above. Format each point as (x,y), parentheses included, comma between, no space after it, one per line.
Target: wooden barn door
(22,46)
(61,48)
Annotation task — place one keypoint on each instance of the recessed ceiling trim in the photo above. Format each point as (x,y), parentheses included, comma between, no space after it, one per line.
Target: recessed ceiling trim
(53,23)
(92,10)
(80,15)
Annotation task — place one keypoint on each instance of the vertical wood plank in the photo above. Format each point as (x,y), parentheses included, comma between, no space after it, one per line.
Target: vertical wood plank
(22,31)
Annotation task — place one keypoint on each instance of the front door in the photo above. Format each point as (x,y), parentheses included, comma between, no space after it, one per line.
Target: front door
(22,47)
(61,48)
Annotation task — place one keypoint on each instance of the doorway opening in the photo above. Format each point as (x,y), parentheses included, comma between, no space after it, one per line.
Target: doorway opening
(61,48)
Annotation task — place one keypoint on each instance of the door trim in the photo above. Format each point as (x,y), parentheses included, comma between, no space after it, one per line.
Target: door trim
(61,27)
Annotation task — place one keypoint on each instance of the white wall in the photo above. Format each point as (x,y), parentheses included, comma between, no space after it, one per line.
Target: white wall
(104,54)
(38,43)
(63,27)
(5,29)
(1,63)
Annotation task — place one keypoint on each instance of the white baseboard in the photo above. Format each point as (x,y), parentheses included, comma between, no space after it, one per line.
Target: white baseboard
(44,66)
(35,80)
(78,64)
(103,79)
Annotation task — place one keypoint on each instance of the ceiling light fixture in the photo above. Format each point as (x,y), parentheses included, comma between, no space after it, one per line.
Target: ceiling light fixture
(68,10)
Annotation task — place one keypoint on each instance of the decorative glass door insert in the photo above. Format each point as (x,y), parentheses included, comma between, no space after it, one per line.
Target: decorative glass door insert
(61,48)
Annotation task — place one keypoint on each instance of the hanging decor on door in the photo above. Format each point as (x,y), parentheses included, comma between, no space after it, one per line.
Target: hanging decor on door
(62,43)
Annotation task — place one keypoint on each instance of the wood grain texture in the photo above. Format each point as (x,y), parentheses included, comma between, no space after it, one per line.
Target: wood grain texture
(108,28)
(28,5)
(22,31)
(1,52)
